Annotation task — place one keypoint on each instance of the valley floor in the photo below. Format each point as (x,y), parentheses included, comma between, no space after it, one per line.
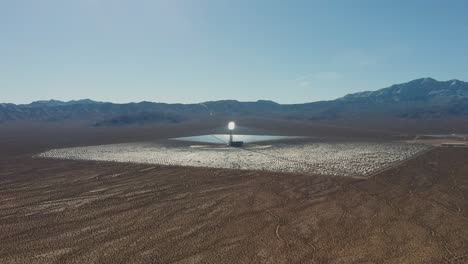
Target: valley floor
(55,211)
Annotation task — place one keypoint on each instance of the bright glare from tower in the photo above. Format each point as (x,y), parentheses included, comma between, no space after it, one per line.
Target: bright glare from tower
(231,125)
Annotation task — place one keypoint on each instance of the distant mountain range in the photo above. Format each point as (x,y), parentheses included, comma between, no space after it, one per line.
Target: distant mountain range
(421,98)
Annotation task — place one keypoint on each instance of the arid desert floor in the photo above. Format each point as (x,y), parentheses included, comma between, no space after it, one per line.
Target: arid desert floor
(76,211)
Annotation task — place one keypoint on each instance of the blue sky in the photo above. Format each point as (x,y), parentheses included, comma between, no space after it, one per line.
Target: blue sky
(201,50)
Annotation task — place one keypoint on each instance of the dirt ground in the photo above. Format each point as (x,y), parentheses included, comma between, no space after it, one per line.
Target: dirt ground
(55,211)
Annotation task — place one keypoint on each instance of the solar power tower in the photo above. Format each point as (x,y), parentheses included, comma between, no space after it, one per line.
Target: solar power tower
(232,143)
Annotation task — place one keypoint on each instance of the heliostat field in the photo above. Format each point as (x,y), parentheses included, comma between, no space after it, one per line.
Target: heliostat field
(327,158)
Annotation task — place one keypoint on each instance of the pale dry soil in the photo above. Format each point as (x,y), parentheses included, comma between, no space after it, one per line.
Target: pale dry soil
(65,211)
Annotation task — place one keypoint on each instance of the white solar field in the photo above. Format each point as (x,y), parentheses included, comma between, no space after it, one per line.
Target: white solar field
(333,158)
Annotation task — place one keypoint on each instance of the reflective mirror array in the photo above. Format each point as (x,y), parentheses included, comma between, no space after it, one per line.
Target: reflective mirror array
(357,159)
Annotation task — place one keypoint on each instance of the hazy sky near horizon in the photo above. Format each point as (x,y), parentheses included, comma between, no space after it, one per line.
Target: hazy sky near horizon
(200,50)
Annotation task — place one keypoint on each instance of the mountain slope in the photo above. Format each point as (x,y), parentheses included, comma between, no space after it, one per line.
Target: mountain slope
(420,90)
(421,98)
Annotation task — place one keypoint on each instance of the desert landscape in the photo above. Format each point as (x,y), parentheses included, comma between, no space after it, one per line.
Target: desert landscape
(233,132)
(79,211)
